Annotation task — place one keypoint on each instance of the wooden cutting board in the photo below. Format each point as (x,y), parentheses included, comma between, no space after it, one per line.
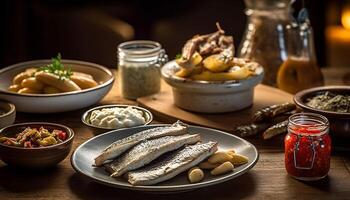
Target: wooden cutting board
(164,109)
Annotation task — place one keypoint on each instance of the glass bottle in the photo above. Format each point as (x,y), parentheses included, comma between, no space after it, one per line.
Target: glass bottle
(300,70)
(139,65)
(307,146)
(264,38)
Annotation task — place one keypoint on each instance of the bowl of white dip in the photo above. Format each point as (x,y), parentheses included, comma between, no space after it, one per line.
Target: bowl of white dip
(115,116)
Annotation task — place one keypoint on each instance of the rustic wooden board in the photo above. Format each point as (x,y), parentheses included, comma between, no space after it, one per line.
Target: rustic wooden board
(164,109)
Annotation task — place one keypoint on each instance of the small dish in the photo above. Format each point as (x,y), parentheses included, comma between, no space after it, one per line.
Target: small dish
(7,113)
(339,122)
(86,116)
(60,102)
(36,157)
(210,96)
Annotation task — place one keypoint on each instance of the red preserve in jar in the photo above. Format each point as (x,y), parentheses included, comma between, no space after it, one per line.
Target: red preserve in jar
(307,147)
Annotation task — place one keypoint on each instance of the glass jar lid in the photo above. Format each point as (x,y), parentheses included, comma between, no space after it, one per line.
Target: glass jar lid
(308,124)
(139,51)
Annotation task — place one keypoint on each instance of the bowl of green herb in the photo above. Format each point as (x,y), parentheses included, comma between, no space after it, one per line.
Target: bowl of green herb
(332,102)
(56,85)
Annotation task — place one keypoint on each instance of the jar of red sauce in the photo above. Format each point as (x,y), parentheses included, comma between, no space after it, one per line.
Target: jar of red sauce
(307,147)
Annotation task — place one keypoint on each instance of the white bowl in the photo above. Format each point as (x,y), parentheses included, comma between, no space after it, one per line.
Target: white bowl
(86,116)
(210,96)
(62,102)
(8,114)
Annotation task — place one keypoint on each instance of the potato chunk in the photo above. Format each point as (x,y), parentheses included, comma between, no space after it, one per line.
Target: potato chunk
(238,159)
(216,63)
(192,62)
(222,169)
(239,74)
(195,175)
(219,157)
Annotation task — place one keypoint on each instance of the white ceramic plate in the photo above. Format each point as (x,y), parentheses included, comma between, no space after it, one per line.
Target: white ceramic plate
(83,158)
(52,103)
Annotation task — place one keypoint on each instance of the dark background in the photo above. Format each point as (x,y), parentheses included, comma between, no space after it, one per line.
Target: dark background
(86,29)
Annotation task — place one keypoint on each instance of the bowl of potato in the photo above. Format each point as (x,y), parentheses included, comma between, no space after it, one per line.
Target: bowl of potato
(211,96)
(207,78)
(50,86)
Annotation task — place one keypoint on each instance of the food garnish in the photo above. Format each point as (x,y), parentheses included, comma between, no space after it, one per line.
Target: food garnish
(178,56)
(329,101)
(57,68)
(33,137)
(211,58)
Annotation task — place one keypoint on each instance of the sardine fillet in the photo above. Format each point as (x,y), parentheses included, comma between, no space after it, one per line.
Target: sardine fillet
(175,164)
(120,146)
(147,151)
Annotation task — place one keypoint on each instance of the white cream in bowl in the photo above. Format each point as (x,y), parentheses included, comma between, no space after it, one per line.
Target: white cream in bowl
(117,117)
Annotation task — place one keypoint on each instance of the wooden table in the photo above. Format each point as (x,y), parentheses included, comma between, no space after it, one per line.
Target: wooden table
(267,180)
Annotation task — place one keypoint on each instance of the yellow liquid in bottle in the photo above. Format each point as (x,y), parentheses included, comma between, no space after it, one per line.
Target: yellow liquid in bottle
(296,74)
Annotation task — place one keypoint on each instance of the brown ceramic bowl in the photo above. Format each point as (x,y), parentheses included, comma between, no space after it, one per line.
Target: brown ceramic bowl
(339,122)
(7,113)
(36,157)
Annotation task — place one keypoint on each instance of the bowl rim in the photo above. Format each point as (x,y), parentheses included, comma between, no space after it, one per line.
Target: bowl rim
(10,111)
(68,140)
(300,95)
(86,114)
(77,62)
(172,78)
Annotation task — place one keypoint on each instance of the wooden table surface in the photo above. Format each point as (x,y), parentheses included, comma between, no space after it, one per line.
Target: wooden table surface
(267,180)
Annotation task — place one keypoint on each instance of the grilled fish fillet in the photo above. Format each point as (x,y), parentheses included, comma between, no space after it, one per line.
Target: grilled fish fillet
(146,151)
(120,146)
(176,163)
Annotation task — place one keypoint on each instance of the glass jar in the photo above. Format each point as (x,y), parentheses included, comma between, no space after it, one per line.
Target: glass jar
(139,65)
(307,147)
(264,38)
